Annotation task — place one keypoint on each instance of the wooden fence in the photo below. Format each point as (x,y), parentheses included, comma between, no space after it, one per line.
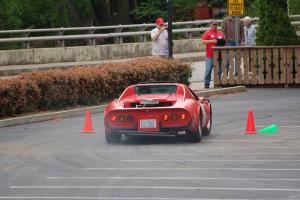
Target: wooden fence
(260,65)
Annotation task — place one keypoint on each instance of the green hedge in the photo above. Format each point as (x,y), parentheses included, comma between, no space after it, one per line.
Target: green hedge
(56,89)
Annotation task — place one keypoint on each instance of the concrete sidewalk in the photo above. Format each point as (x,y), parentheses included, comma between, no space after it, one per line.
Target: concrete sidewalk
(197,79)
(12,70)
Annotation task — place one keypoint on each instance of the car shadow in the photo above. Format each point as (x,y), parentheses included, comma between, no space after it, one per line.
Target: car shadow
(151,140)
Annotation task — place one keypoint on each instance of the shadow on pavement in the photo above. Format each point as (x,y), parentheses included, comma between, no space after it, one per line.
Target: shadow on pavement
(150,140)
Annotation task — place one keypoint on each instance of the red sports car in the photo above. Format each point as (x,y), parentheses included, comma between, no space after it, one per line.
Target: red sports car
(158,109)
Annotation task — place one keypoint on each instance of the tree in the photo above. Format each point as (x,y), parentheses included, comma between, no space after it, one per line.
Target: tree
(252,8)
(275,27)
(294,7)
(149,10)
(20,14)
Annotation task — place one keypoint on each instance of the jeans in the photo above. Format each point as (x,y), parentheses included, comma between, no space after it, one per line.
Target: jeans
(208,70)
(232,44)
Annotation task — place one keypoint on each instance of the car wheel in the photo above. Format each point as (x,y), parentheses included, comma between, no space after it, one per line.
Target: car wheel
(113,137)
(206,130)
(196,136)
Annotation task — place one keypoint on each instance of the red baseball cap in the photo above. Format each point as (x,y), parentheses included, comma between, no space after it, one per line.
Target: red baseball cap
(160,21)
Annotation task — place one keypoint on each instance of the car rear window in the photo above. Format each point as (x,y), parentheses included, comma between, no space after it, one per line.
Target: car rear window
(155,89)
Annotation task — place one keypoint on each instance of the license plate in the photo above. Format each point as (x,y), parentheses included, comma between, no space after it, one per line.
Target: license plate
(148,123)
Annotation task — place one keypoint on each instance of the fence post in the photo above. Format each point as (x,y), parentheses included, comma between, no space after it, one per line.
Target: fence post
(26,44)
(91,41)
(189,34)
(60,43)
(142,38)
(216,70)
(118,40)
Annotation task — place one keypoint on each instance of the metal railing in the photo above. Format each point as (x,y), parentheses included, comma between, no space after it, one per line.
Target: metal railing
(117,35)
(116,27)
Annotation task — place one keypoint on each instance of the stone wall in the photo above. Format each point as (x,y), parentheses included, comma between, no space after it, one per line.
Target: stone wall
(90,53)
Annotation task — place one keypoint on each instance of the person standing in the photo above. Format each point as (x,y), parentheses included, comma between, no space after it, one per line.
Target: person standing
(159,36)
(210,39)
(229,31)
(249,31)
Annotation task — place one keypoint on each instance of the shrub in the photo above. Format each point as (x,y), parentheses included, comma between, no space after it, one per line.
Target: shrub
(274,26)
(18,96)
(56,89)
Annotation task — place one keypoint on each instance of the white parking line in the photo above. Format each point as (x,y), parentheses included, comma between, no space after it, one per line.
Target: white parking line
(221,153)
(250,141)
(151,187)
(216,160)
(108,198)
(171,178)
(189,169)
(235,148)
(282,126)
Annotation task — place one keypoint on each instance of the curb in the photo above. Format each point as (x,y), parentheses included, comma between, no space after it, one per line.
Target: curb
(221,91)
(50,116)
(96,109)
(192,59)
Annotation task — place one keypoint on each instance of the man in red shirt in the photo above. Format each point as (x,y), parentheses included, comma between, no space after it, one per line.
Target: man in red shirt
(210,38)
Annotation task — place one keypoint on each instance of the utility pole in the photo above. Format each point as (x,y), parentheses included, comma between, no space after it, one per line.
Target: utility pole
(170,19)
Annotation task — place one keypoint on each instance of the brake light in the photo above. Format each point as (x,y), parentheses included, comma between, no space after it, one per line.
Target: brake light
(183,116)
(166,117)
(113,118)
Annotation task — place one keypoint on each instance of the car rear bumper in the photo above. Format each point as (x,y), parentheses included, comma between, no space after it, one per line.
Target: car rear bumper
(160,133)
(163,131)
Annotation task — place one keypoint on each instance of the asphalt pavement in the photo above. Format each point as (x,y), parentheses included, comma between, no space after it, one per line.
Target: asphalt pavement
(54,160)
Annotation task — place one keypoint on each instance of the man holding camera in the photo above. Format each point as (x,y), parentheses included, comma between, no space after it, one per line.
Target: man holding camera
(211,38)
(159,37)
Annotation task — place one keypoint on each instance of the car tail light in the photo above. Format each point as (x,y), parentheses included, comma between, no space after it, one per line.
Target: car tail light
(183,116)
(122,118)
(166,117)
(113,118)
(174,117)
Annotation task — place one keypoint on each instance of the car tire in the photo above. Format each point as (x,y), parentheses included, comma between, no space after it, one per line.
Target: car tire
(113,137)
(206,130)
(196,136)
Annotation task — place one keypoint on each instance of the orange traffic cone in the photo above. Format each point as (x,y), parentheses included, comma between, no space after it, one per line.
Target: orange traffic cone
(88,127)
(250,129)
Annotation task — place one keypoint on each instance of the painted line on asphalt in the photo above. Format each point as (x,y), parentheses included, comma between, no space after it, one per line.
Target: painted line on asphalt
(284,121)
(151,187)
(176,160)
(204,153)
(256,141)
(189,169)
(281,126)
(236,148)
(106,198)
(169,178)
